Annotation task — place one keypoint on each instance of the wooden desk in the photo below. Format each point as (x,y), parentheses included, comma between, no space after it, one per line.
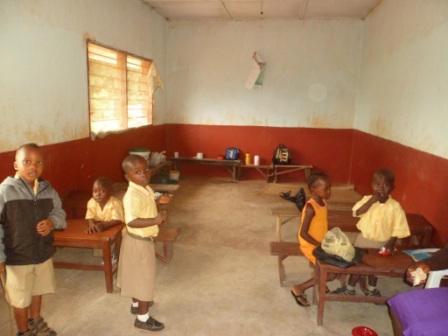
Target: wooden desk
(75,236)
(230,165)
(372,264)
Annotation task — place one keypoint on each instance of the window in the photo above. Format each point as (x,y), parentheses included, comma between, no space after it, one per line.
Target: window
(121,88)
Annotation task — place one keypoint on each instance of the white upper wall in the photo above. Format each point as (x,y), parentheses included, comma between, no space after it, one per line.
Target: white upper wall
(311,75)
(403,93)
(43,66)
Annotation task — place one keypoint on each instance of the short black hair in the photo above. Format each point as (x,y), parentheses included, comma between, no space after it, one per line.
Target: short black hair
(314,177)
(105,182)
(29,145)
(130,161)
(388,175)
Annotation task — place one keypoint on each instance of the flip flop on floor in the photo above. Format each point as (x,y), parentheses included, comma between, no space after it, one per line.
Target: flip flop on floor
(300,299)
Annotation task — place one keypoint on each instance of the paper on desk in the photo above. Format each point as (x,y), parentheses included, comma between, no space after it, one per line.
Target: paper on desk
(256,74)
(421,254)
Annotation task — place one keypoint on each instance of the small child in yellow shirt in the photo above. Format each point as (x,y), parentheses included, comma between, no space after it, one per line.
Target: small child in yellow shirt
(103,211)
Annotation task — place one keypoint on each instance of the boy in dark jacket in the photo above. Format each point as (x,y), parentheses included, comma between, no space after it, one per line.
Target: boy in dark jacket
(30,209)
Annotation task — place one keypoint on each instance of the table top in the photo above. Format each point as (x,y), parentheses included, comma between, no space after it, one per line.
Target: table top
(206,161)
(76,231)
(374,263)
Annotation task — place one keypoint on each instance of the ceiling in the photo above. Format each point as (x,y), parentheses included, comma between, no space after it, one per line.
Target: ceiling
(262,10)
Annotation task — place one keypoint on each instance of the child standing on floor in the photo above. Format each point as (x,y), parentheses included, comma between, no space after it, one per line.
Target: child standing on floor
(30,209)
(313,227)
(137,263)
(382,221)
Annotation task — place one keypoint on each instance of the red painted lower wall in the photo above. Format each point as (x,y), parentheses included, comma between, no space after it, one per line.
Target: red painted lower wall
(325,149)
(76,164)
(348,156)
(421,179)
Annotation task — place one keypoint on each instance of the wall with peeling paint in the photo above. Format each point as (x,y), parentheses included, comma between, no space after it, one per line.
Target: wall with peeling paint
(43,68)
(404,82)
(311,73)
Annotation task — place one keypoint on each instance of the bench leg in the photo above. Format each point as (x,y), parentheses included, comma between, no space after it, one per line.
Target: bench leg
(278,228)
(281,269)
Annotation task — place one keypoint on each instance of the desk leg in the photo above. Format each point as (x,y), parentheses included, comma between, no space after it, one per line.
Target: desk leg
(107,258)
(321,282)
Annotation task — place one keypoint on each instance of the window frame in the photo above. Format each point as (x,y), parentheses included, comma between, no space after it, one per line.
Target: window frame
(129,86)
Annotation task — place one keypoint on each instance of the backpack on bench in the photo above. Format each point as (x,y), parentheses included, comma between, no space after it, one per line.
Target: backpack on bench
(232,153)
(281,155)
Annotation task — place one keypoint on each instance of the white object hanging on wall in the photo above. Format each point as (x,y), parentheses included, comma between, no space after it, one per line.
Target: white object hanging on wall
(256,74)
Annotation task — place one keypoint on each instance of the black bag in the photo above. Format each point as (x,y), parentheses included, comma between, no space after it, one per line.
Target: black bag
(334,260)
(299,199)
(232,153)
(281,155)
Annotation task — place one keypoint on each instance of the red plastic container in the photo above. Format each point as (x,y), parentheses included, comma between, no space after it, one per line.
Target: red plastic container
(363,331)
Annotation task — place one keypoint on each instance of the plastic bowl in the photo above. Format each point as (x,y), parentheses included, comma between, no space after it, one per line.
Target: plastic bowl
(363,331)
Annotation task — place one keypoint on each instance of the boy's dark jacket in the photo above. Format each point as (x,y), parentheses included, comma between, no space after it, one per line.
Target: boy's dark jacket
(20,211)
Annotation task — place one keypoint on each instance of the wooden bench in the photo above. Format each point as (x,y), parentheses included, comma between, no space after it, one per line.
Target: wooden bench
(421,233)
(167,236)
(286,169)
(421,229)
(268,171)
(230,165)
(283,250)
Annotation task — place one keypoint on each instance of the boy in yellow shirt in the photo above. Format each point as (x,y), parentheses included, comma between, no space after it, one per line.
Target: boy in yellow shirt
(382,221)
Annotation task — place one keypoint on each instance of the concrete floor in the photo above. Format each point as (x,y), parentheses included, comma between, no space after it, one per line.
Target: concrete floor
(222,279)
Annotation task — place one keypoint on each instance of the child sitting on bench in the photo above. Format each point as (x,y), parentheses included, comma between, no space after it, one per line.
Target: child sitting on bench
(382,221)
(313,228)
(103,211)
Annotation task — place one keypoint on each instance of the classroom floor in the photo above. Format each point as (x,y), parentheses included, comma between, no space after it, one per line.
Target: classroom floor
(222,279)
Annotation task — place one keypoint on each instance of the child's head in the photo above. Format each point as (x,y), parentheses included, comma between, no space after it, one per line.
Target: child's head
(136,170)
(29,162)
(319,185)
(383,182)
(102,190)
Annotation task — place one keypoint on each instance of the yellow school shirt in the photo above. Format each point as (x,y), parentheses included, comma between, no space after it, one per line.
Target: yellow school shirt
(139,202)
(382,221)
(113,210)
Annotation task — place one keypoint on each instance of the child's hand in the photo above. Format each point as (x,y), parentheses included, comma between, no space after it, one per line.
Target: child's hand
(163,214)
(165,199)
(95,227)
(44,227)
